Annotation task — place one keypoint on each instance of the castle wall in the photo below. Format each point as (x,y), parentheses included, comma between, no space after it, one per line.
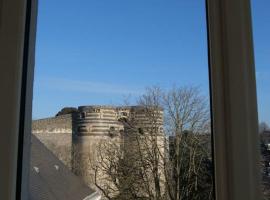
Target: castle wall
(76,138)
(85,154)
(56,134)
(59,143)
(59,124)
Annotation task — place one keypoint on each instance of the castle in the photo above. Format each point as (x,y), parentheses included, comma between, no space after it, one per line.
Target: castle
(82,129)
(95,121)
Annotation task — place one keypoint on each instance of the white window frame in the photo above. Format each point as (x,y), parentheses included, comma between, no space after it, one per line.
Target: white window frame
(234,104)
(233,98)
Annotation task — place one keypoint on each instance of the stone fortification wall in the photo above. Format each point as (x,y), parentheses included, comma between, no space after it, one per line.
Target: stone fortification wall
(56,134)
(85,153)
(59,143)
(76,138)
(59,124)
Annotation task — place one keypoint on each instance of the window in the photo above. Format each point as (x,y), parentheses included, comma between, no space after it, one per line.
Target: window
(235,170)
(149,45)
(112,131)
(112,128)
(140,130)
(147,50)
(83,115)
(124,114)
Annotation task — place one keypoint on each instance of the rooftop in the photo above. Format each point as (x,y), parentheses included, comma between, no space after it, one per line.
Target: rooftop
(50,179)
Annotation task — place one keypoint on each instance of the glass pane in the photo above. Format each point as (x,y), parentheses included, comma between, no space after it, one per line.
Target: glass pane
(121,101)
(261,32)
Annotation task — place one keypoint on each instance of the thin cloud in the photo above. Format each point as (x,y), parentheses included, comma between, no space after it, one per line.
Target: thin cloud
(70,85)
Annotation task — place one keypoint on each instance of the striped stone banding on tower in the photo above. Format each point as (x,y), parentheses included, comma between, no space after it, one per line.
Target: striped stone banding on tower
(103,119)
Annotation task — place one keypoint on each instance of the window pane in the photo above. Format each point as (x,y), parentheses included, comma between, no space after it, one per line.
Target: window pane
(121,101)
(261,32)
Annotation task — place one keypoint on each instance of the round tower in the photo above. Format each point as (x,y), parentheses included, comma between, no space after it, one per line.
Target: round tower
(98,121)
(94,125)
(147,119)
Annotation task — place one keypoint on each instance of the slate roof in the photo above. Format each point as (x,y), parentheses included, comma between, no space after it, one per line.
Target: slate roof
(50,179)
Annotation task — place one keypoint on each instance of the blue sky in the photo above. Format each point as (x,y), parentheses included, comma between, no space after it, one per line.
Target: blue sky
(102,51)
(261,37)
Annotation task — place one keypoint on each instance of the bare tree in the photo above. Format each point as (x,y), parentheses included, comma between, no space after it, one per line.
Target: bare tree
(186,109)
(129,168)
(151,163)
(133,167)
(187,121)
(151,144)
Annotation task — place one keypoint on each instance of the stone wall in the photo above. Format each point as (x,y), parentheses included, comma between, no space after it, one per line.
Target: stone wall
(78,139)
(59,124)
(59,143)
(56,134)
(85,151)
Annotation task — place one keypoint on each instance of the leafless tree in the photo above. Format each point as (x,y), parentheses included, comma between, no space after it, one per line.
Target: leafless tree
(132,167)
(186,109)
(148,162)
(187,121)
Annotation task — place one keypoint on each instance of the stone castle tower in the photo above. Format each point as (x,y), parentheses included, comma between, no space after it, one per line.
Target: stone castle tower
(74,137)
(108,120)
